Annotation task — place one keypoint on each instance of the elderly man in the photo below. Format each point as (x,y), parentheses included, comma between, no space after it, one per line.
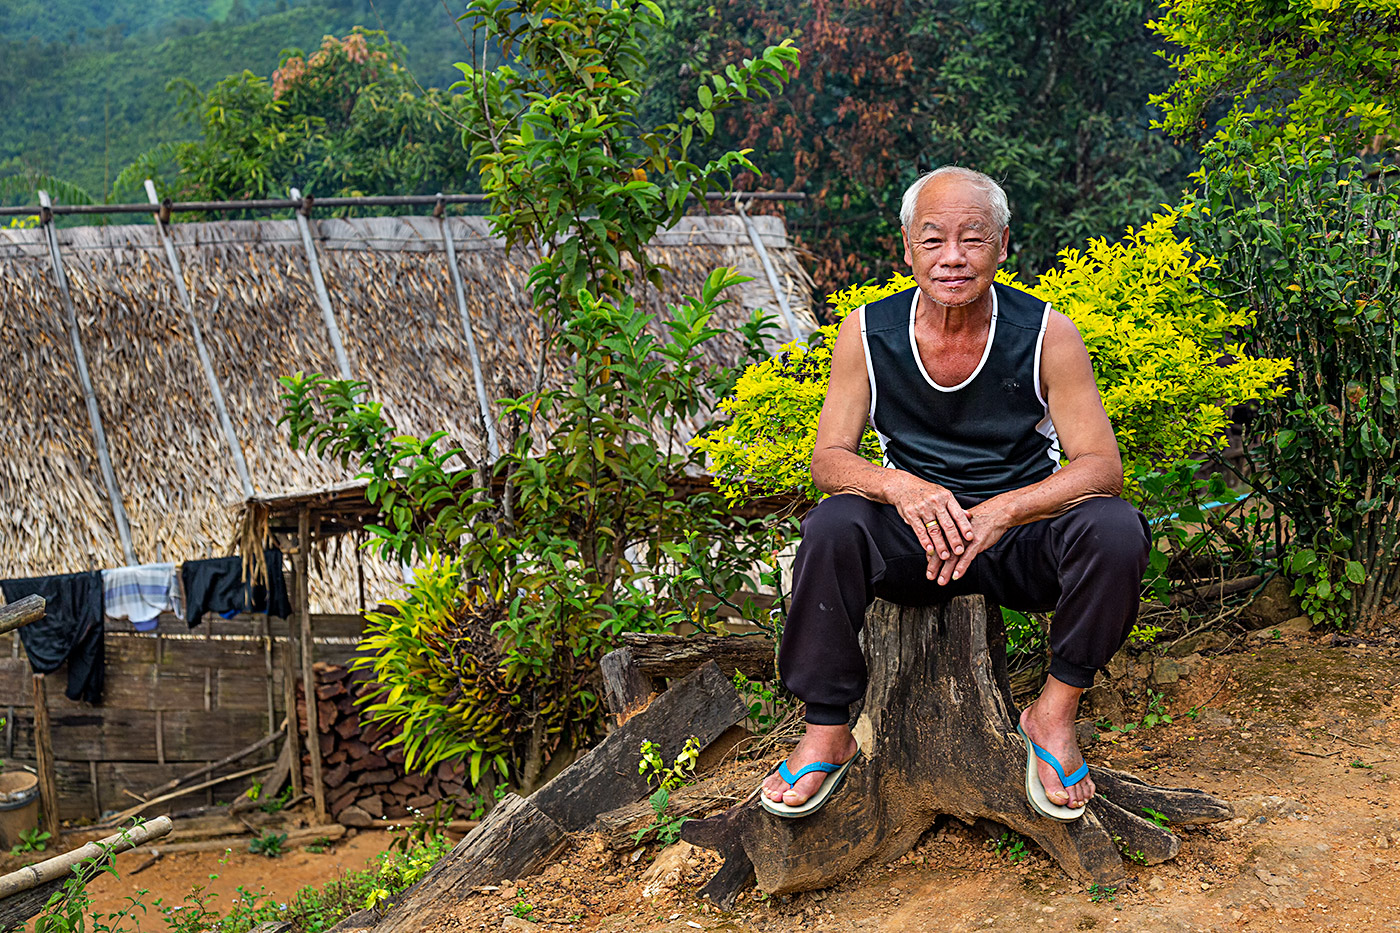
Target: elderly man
(978,391)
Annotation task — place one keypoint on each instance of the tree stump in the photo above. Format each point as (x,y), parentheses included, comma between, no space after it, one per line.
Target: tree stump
(938,735)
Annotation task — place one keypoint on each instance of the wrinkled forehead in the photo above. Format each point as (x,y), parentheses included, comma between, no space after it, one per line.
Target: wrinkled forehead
(953,204)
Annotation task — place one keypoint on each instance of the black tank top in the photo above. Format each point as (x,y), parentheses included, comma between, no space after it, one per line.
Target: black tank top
(988,435)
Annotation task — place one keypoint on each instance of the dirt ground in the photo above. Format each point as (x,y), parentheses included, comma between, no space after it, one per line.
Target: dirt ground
(171,878)
(1301,734)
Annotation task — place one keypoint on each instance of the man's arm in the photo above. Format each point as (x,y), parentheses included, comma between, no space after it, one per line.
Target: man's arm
(1093,465)
(837,465)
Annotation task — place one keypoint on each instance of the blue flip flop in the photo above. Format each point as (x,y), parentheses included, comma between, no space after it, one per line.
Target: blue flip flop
(834,774)
(1035,790)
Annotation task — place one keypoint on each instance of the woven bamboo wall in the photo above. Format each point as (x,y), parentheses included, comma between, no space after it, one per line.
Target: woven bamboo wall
(174,700)
(251,287)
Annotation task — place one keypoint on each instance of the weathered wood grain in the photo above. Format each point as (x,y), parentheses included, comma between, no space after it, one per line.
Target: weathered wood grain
(16,615)
(513,841)
(43,754)
(703,704)
(678,655)
(938,737)
(625,689)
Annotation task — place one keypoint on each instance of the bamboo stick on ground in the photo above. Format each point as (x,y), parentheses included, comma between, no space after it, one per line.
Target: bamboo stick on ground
(52,869)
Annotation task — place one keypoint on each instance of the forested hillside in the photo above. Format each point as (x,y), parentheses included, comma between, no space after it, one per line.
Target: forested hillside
(1050,98)
(83,86)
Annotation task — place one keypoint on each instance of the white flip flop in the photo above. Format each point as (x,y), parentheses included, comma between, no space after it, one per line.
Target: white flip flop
(1035,790)
(834,774)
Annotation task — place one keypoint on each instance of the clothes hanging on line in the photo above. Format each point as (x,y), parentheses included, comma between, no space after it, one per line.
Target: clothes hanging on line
(217,586)
(70,631)
(142,593)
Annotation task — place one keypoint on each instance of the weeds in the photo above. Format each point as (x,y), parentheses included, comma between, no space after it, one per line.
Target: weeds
(1012,845)
(31,840)
(679,773)
(1103,892)
(268,843)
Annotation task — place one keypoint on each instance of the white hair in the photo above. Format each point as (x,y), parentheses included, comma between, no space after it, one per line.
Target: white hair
(1001,212)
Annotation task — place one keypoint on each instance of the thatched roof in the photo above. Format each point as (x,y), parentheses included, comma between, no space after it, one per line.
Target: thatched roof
(251,287)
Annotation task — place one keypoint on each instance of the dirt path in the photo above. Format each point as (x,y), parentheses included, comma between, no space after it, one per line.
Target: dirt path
(171,878)
(1302,736)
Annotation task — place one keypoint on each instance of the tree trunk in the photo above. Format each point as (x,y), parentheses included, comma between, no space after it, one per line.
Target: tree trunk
(938,735)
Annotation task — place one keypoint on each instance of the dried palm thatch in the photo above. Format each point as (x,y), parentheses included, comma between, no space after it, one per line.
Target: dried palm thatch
(251,288)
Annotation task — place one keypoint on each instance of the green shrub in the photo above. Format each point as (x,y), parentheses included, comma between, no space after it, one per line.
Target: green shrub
(493,656)
(1310,244)
(1155,337)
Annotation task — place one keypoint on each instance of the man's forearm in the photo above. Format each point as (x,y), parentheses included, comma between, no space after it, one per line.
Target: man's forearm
(1086,477)
(837,470)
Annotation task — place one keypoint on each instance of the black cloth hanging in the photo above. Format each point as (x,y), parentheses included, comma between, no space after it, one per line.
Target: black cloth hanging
(71,629)
(217,586)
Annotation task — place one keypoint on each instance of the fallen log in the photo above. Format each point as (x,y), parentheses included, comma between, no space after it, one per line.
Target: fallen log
(937,732)
(296,837)
(520,835)
(514,840)
(618,828)
(18,614)
(678,655)
(702,705)
(630,673)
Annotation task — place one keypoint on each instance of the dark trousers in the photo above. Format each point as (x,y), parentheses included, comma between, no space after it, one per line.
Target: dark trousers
(1086,565)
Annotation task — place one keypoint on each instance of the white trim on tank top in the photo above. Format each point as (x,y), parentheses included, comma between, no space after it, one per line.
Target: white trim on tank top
(870,376)
(918,360)
(1046,427)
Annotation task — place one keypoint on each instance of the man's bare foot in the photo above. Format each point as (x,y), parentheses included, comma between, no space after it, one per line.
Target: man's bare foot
(833,744)
(1049,722)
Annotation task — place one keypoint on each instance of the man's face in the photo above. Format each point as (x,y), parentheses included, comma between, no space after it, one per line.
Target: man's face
(953,244)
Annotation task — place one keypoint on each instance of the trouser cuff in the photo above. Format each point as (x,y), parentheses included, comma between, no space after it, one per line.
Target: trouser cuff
(1073,674)
(827,714)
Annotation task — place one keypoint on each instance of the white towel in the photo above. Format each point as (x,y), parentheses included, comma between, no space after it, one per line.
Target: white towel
(141,593)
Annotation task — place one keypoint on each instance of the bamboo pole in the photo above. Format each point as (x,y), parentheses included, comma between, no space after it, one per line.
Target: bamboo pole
(133,811)
(201,771)
(43,753)
(322,296)
(371,200)
(779,292)
(492,442)
(308,677)
(99,435)
(31,876)
(210,377)
(18,614)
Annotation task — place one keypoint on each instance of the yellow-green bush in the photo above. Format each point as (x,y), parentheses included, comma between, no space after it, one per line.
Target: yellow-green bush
(1155,335)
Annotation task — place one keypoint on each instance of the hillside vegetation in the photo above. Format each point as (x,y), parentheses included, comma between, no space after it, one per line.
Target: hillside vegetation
(83,90)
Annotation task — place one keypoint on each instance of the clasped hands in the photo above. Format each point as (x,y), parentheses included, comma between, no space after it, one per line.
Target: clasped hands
(951,535)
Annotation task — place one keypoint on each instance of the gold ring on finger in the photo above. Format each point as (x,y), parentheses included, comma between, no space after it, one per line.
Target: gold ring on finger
(932,523)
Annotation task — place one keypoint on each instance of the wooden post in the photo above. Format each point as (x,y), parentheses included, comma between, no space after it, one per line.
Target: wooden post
(291,651)
(43,751)
(308,677)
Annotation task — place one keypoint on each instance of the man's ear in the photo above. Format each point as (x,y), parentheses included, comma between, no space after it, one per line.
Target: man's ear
(1005,243)
(908,253)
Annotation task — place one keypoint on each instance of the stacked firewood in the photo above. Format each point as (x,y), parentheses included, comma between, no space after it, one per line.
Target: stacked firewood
(365,779)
